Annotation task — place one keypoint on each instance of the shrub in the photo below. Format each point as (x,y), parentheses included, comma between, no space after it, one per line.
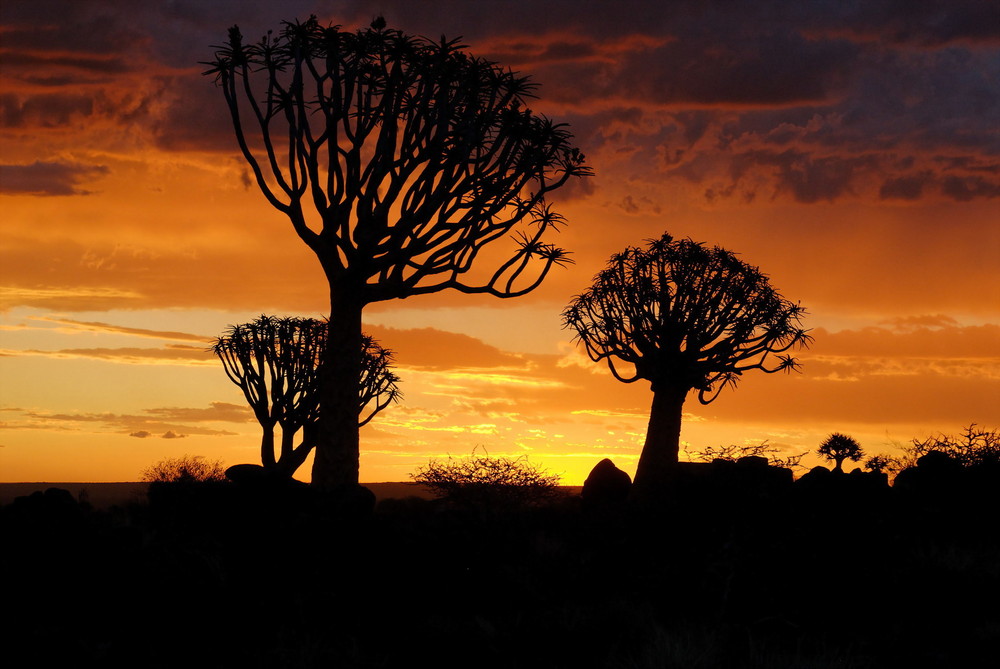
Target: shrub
(973,446)
(185,469)
(734,452)
(484,481)
(883,463)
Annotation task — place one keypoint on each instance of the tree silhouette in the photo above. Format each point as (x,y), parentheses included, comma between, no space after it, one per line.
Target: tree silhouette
(276,362)
(882,463)
(397,160)
(839,447)
(683,317)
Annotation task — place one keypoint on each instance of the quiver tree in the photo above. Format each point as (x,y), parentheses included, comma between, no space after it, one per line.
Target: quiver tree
(839,447)
(276,363)
(683,317)
(397,160)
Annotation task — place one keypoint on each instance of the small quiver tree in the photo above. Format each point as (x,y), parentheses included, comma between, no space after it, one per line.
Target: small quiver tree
(683,317)
(276,363)
(839,447)
(397,160)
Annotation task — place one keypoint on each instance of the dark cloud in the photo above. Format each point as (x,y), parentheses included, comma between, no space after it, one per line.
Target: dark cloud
(968,188)
(20,61)
(48,178)
(806,177)
(141,434)
(195,117)
(909,187)
(170,434)
(926,23)
(837,84)
(44,111)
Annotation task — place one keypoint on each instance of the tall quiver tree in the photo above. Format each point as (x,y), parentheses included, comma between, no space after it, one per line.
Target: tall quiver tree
(683,317)
(276,363)
(410,156)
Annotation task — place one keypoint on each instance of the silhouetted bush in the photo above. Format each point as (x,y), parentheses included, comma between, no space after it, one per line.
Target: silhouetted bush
(484,481)
(187,468)
(883,463)
(973,446)
(734,452)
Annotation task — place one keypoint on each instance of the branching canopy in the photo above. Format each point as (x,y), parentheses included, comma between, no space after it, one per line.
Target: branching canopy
(839,447)
(413,154)
(275,361)
(680,313)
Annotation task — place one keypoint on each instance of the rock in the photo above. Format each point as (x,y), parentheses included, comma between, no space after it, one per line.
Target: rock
(752,461)
(247,473)
(606,485)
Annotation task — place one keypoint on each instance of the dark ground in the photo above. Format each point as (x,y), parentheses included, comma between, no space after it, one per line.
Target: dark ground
(833,575)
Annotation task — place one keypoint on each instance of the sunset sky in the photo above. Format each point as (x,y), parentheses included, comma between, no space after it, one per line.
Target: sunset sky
(849,149)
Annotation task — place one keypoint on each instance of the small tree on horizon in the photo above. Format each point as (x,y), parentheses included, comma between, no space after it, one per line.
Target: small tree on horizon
(684,317)
(276,363)
(397,160)
(839,447)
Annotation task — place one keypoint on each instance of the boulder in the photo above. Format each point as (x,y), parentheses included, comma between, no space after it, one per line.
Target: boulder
(606,485)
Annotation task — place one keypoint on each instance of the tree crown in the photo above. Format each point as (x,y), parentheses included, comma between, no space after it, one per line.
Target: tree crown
(276,362)
(413,154)
(841,447)
(678,312)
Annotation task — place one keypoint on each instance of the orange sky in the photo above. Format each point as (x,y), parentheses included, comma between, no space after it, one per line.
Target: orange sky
(854,155)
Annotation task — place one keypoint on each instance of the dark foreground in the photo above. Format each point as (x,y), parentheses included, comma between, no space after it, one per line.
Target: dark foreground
(725,576)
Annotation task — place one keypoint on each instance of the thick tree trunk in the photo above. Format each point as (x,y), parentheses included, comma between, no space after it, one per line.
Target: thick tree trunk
(658,461)
(337,447)
(298,455)
(287,444)
(267,446)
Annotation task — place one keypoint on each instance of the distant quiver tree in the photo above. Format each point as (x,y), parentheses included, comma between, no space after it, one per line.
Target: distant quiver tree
(397,160)
(684,317)
(276,363)
(839,447)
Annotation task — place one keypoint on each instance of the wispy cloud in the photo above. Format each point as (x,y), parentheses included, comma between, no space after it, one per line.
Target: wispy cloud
(172,354)
(166,422)
(109,328)
(81,298)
